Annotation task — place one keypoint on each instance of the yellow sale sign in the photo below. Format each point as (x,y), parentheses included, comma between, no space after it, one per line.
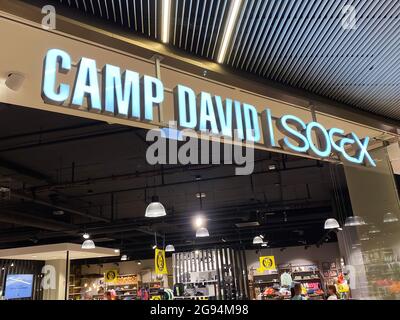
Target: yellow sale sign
(160,262)
(267,263)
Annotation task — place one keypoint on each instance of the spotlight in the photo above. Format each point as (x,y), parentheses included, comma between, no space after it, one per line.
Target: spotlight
(14,81)
(258,240)
(154,247)
(86,236)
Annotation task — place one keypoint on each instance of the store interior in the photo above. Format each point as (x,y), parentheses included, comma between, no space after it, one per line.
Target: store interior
(76,182)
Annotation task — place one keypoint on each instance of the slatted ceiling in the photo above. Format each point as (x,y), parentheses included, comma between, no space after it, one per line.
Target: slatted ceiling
(300,43)
(198,25)
(141,16)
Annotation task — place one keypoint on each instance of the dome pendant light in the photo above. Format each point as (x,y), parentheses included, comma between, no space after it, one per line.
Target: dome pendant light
(88,245)
(258,240)
(390,217)
(202,233)
(355,221)
(331,224)
(170,248)
(155,209)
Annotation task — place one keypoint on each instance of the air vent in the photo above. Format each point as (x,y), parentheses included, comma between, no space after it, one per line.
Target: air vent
(247,224)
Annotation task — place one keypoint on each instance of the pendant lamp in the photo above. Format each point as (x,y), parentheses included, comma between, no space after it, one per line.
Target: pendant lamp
(202,233)
(390,217)
(170,248)
(331,224)
(88,245)
(355,221)
(258,240)
(155,209)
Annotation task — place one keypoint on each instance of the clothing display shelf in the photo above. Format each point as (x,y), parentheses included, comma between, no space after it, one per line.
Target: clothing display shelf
(268,285)
(126,285)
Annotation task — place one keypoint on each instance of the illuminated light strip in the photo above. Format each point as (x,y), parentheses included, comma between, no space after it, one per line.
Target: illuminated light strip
(231,22)
(166,17)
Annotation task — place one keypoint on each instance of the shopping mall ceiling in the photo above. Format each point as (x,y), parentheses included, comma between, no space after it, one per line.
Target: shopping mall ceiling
(67,175)
(344,50)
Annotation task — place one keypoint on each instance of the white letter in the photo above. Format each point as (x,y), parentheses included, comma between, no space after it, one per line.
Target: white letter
(87,84)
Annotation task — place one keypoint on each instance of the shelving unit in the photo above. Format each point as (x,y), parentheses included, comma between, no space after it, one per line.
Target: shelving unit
(126,286)
(308,275)
(75,287)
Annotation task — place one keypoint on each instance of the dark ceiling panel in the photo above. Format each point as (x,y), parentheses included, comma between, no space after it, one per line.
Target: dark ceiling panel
(302,43)
(198,25)
(138,15)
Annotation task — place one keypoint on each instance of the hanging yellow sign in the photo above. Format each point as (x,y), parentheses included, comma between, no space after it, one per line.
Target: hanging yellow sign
(111,276)
(160,262)
(267,263)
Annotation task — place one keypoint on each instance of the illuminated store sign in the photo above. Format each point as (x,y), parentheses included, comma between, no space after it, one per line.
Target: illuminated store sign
(130,95)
